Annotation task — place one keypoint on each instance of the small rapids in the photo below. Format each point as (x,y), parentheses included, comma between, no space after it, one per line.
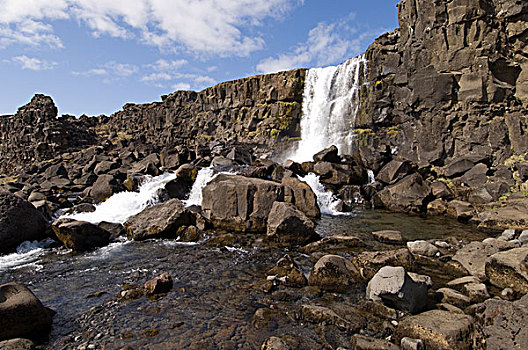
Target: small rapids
(326,199)
(123,205)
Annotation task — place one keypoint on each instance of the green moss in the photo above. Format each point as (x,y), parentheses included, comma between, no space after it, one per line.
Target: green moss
(274,133)
(393,131)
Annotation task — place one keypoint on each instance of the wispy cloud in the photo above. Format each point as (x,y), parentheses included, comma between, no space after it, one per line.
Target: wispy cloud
(110,69)
(33,63)
(203,28)
(327,43)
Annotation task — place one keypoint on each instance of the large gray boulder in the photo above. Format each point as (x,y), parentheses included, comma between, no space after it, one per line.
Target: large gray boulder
(104,187)
(19,221)
(396,288)
(240,203)
(161,220)
(22,315)
(287,224)
(301,194)
(80,235)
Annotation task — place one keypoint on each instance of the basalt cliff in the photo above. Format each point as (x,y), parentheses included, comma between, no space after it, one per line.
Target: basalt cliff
(441,121)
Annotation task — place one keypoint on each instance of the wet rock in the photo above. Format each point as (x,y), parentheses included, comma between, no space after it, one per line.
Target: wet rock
(239,203)
(509,269)
(369,263)
(437,207)
(287,224)
(388,236)
(460,210)
(361,342)
(396,288)
(334,273)
(343,317)
(333,243)
(21,313)
(451,296)
(80,235)
(294,167)
(159,285)
(329,154)
(476,176)
(394,171)
(275,343)
(287,271)
(351,196)
(240,155)
(161,220)
(302,196)
(411,344)
(104,187)
(134,181)
(407,195)
(182,184)
(422,248)
(116,230)
(438,329)
(502,324)
(440,190)
(19,221)
(17,344)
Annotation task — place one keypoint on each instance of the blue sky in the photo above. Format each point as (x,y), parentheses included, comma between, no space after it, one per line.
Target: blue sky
(93,56)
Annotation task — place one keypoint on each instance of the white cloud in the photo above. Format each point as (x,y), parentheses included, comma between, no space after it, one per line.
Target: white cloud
(202,27)
(33,63)
(181,86)
(112,69)
(164,65)
(326,44)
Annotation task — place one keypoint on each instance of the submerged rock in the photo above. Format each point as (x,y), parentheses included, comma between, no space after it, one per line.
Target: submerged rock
(160,284)
(287,271)
(509,269)
(334,273)
(80,235)
(21,313)
(161,220)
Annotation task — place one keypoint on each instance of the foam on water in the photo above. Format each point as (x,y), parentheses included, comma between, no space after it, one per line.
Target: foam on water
(27,253)
(123,205)
(326,200)
(205,175)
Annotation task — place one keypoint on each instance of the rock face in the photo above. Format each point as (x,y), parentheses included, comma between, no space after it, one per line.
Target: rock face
(396,288)
(21,313)
(19,221)
(161,220)
(80,235)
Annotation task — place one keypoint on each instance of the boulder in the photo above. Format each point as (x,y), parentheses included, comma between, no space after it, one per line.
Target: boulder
(439,189)
(239,203)
(161,220)
(514,216)
(182,184)
(17,344)
(502,324)
(134,181)
(438,329)
(288,273)
(334,273)
(397,289)
(472,257)
(407,195)
(361,342)
(509,269)
(477,292)
(21,313)
(19,221)
(240,155)
(160,284)
(476,176)
(460,210)
(333,243)
(422,248)
(451,296)
(329,154)
(388,236)
(104,187)
(437,207)
(394,171)
(275,343)
(287,224)
(342,317)
(369,263)
(302,196)
(80,235)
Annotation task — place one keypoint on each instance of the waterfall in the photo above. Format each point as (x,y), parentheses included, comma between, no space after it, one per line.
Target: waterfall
(326,200)
(123,205)
(330,105)
(204,176)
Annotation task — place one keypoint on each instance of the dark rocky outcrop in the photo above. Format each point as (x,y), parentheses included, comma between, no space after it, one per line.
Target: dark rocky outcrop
(19,221)
(80,235)
(287,224)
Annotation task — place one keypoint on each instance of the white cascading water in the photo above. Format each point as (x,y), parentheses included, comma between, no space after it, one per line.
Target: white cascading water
(205,175)
(326,200)
(123,205)
(330,105)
